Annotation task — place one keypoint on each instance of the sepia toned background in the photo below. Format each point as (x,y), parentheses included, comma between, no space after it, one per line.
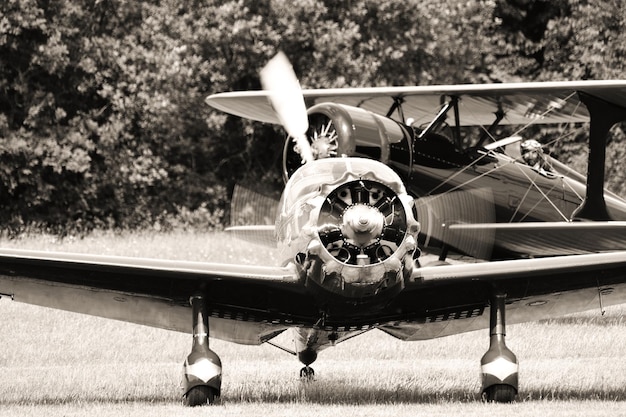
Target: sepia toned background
(102,115)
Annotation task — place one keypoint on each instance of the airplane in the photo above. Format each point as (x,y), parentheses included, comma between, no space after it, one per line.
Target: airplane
(371,182)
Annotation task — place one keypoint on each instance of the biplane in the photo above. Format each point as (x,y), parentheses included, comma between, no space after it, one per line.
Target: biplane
(375,178)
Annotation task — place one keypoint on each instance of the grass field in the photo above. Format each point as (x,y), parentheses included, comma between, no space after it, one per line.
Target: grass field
(55,363)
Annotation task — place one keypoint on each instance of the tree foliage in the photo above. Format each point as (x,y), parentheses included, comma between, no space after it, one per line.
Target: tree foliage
(102,119)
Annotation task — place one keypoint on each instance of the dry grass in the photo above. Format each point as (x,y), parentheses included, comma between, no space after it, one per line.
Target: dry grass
(55,363)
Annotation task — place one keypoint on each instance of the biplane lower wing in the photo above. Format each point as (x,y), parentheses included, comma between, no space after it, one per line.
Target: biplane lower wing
(538,239)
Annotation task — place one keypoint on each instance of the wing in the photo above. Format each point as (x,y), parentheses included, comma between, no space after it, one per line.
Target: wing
(156,292)
(547,238)
(251,304)
(521,103)
(452,299)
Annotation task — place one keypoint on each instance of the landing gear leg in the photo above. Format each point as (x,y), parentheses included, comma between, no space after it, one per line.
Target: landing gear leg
(499,365)
(202,371)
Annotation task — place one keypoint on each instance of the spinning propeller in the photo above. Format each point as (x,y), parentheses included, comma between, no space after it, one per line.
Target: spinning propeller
(285,94)
(359,222)
(437,213)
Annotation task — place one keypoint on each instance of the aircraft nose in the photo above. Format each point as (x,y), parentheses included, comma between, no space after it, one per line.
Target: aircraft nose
(363,224)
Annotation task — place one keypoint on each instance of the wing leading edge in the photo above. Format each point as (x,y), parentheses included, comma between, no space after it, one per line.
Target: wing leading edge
(522,103)
(535,239)
(151,292)
(437,300)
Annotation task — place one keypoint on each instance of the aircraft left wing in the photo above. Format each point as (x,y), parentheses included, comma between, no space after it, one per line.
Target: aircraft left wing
(521,103)
(151,292)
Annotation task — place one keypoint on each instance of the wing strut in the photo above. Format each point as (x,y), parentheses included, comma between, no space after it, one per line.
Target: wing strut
(604,115)
(397,105)
(488,133)
(441,116)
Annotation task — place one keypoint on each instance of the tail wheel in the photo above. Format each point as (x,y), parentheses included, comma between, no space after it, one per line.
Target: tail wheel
(307,373)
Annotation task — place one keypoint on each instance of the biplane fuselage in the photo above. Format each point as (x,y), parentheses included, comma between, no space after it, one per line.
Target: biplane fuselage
(474,185)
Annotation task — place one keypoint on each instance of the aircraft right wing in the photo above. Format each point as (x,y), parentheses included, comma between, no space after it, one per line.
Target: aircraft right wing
(155,292)
(539,239)
(453,297)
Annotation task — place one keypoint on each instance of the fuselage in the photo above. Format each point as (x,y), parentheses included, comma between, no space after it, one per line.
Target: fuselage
(484,186)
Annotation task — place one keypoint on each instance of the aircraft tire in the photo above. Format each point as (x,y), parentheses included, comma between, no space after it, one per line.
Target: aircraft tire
(307,373)
(500,393)
(200,395)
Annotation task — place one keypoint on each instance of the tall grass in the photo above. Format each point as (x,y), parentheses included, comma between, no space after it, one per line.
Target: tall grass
(58,363)
(193,246)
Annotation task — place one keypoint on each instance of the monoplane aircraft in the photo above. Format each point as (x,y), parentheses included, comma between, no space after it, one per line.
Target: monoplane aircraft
(374,178)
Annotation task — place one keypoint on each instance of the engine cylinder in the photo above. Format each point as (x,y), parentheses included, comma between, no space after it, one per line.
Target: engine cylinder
(337,130)
(353,221)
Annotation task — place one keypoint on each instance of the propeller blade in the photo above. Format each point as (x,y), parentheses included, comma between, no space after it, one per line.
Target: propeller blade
(259,234)
(252,217)
(285,94)
(438,212)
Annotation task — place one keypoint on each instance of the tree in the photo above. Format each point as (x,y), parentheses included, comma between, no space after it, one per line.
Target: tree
(102,115)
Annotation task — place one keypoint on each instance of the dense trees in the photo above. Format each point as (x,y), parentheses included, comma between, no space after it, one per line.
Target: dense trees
(102,120)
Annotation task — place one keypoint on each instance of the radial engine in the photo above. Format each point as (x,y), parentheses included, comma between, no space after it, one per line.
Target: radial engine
(349,223)
(337,130)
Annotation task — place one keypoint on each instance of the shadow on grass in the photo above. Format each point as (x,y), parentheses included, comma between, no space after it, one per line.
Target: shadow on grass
(332,394)
(599,320)
(341,394)
(572,395)
(77,400)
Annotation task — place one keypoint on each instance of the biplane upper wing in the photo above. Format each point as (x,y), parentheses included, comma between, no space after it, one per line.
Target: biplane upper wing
(521,103)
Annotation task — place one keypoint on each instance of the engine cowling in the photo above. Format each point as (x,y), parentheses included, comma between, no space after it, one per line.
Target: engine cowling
(350,223)
(341,130)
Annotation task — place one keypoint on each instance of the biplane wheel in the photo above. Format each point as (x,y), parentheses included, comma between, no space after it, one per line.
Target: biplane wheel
(500,393)
(307,373)
(200,395)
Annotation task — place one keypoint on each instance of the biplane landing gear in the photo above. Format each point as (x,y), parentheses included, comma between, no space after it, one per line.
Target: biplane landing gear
(307,373)
(499,365)
(202,371)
